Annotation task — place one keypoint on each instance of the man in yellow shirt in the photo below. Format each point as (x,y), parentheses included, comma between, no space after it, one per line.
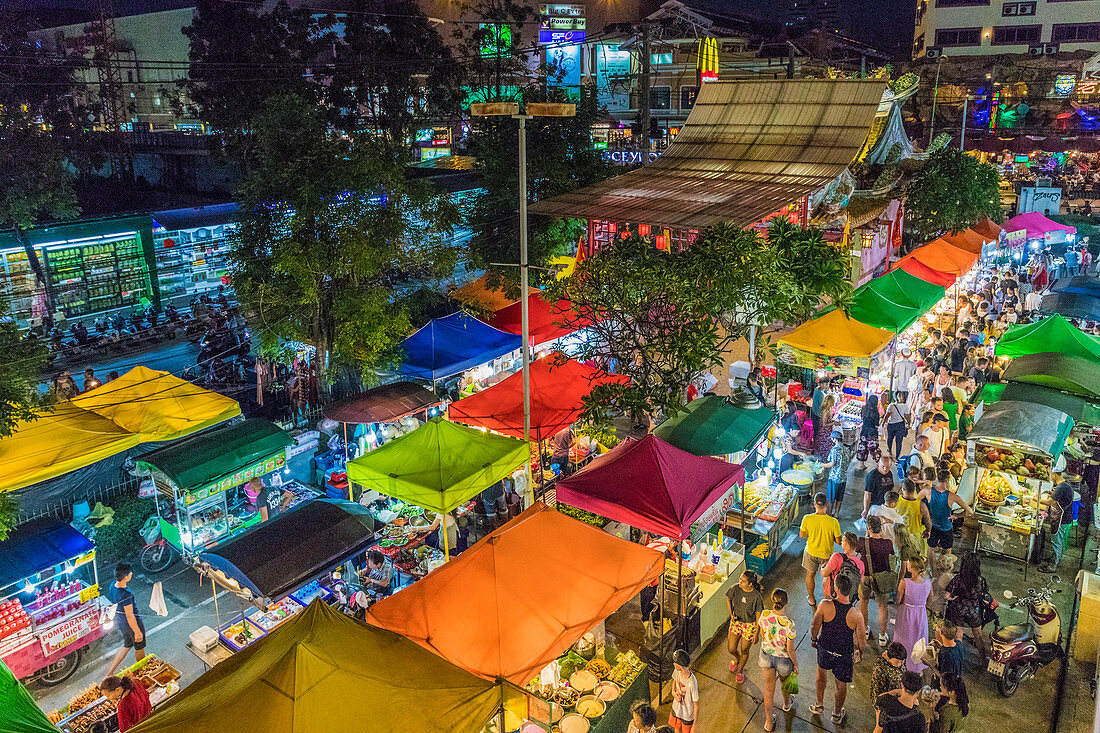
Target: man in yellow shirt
(821,532)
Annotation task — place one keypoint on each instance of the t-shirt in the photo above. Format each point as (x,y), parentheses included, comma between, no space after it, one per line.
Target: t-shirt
(884,678)
(746,603)
(840,456)
(685,696)
(124,597)
(821,532)
(833,566)
(949,660)
(1063,494)
(878,483)
(923,459)
(895,717)
(896,412)
(134,707)
(881,550)
(904,369)
(950,720)
(818,398)
(272,498)
(890,517)
(937,440)
(775,630)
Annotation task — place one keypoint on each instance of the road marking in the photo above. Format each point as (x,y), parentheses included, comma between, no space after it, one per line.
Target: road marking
(170,621)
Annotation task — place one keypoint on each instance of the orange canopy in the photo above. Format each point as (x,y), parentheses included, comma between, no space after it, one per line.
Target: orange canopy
(521,596)
(939,255)
(478,294)
(967,240)
(988,229)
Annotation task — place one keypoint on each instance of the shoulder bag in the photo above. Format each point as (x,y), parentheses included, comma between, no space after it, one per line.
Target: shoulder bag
(884,581)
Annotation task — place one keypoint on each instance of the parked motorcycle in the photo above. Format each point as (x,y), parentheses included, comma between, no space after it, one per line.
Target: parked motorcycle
(1019,651)
(157,554)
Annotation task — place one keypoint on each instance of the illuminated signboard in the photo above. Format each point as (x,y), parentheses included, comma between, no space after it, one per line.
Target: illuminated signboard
(1064,84)
(561,23)
(561,36)
(707,62)
(497,39)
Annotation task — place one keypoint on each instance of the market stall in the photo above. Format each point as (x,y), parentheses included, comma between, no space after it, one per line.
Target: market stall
(1083,411)
(1072,304)
(940,255)
(1062,371)
(1051,334)
(451,345)
(20,711)
(91,706)
(49,608)
(546,321)
(836,343)
(200,482)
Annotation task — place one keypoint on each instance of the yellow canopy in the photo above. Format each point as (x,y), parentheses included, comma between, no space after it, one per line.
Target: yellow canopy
(835,334)
(140,406)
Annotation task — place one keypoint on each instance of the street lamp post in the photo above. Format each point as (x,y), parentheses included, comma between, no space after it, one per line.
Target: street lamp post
(962,135)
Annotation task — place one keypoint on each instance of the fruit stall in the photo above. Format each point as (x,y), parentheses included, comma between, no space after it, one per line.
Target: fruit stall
(49,608)
(160,679)
(1011,456)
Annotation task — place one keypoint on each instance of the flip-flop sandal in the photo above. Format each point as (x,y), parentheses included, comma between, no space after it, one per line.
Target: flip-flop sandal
(812,601)
(739,678)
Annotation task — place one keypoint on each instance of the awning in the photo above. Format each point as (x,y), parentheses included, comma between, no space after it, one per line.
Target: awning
(1063,372)
(1033,427)
(439,465)
(386,403)
(214,454)
(894,301)
(926,273)
(1053,333)
(1072,305)
(453,344)
(1036,225)
(1080,284)
(558,388)
(544,319)
(713,426)
(275,557)
(835,334)
(747,149)
(199,216)
(967,240)
(36,546)
(939,255)
(323,671)
(520,597)
(21,712)
(650,485)
(1083,411)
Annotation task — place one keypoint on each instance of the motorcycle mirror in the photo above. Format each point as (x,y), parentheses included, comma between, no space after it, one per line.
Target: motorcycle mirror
(1008,595)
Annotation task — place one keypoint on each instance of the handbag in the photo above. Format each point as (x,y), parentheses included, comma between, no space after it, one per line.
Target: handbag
(884,581)
(988,606)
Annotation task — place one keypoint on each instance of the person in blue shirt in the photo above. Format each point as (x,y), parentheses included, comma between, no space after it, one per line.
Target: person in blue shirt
(1073,260)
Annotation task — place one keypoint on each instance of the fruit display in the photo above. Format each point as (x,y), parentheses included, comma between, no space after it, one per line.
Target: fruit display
(994,489)
(761,550)
(1010,461)
(13,618)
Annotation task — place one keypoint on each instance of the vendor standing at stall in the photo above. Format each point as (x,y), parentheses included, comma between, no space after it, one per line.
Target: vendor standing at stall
(268,500)
(133,705)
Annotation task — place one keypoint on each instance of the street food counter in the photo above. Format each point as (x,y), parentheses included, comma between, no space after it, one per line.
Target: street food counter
(160,679)
(762,518)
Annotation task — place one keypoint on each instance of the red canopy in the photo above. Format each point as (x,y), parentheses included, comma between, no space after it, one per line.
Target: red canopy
(917,268)
(650,485)
(543,318)
(558,386)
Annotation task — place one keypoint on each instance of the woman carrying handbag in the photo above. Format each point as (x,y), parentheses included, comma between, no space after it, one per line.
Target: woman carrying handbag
(879,578)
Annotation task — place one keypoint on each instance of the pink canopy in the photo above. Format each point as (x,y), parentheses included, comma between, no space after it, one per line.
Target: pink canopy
(1036,225)
(650,485)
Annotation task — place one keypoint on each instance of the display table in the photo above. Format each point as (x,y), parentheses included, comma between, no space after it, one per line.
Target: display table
(219,653)
(617,717)
(762,538)
(713,611)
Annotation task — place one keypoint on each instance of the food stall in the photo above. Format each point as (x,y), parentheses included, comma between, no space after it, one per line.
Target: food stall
(49,607)
(764,513)
(201,482)
(1011,453)
(160,679)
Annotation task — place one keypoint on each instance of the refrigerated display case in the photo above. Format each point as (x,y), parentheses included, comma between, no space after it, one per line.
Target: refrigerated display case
(91,278)
(19,286)
(191,262)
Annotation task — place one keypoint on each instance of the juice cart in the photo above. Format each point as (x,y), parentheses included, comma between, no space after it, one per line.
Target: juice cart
(49,608)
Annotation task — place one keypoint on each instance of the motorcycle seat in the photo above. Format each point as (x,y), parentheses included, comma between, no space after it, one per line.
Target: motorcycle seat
(1012,633)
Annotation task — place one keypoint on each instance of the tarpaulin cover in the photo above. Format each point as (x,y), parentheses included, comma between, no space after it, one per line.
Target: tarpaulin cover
(521,596)
(453,344)
(558,387)
(323,671)
(1039,426)
(1073,305)
(939,255)
(835,334)
(477,293)
(1053,333)
(712,426)
(926,273)
(439,465)
(189,464)
(1066,372)
(650,485)
(385,403)
(1083,411)
(543,318)
(988,229)
(36,546)
(1036,225)
(274,558)
(894,301)
(1081,284)
(20,712)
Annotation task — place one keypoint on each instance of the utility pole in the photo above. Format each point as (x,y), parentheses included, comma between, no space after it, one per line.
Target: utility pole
(643,91)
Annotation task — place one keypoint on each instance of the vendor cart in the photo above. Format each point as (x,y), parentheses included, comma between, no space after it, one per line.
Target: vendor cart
(49,608)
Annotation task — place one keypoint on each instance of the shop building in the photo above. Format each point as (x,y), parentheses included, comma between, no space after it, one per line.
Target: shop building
(986,27)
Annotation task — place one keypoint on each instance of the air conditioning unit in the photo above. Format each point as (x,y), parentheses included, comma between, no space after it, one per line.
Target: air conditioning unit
(1035,50)
(932,52)
(1009,9)
(1050,48)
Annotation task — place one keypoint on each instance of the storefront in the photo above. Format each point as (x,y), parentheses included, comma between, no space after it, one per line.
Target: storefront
(192,250)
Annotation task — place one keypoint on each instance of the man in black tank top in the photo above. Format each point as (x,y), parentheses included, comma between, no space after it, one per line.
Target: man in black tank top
(837,632)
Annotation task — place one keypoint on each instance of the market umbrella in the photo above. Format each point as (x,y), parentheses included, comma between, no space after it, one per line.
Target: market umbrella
(20,712)
(546,321)
(558,387)
(322,671)
(712,426)
(967,240)
(451,345)
(1065,372)
(1085,145)
(1053,144)
(480,295)
(1053,333)
(521,596)
(988,229)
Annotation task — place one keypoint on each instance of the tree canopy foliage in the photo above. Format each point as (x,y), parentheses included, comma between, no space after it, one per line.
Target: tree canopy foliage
(950,192)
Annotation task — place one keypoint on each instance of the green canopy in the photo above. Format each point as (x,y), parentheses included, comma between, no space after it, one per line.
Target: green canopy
(713,426)
(323,671)
(214,454)
(1083,411)
(439,465)
(1074,374)
(894,301)
(1053,333)
(20,714)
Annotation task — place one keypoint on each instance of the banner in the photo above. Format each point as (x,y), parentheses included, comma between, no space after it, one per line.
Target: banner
(56,638)
(613,77)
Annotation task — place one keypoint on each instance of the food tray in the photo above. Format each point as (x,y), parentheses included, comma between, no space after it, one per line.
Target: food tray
(276,613)
(166,675)
(311,590)
(230,632)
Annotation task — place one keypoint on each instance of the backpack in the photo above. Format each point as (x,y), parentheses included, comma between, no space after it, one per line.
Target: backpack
(849,569)
(903,466)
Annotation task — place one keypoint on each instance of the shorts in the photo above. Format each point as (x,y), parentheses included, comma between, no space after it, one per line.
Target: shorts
(813,564)
(744,629)
(782,665)
(941,538)
(680,725)
(834,490)
(128,638)
(865,592)
(841,665)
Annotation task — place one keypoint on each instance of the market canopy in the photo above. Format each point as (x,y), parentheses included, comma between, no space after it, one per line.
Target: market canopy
(1036,426)
(1083,411)
(520,597)
(926,273)
(1053,333)
(385,403)
(545,320)
(453,344)
(21,713)
(323,671)
(1036,225)
(650,485)
(988,229)
(939,255)
(439,465)
(967,240)
(275,557)
(558,388)
(1064,372)
(1073,305)
(479,294)
(712,426)
(836,334)
(746,150)
(38,545)
(894,301)
(215,454)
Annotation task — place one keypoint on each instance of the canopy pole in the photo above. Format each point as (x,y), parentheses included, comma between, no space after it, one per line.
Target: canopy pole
(893,362)
(525,323)
(214,588)
(446,539)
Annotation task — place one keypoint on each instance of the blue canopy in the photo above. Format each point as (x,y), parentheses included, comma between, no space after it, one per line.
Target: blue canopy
(38,545)
(450,345)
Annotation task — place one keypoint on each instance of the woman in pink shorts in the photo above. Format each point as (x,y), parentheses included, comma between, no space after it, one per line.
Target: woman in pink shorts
(746,602)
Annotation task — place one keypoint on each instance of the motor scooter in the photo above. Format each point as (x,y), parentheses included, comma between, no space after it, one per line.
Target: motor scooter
(1018,651)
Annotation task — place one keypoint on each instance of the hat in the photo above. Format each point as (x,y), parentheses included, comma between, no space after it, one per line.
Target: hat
(906,351)
(837,432)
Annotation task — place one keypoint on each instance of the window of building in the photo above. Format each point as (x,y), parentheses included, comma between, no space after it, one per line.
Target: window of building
(1071,32)
(922,8)
(656,59)
(687,96)
(1009,35)
(960,3)
(660,98)
(918,45)
(959,37)
(1018,9)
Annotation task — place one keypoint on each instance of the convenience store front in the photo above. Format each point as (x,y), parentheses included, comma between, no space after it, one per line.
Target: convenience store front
(192,250)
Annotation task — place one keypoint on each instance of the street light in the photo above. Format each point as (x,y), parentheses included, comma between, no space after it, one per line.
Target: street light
(533,109)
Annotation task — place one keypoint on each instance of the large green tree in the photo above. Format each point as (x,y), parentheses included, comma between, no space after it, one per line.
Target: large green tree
(950,192)
(333,239)
(662,317)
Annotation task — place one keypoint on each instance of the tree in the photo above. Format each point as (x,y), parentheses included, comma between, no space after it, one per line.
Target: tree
(950,192)
(333,239)
(662,317)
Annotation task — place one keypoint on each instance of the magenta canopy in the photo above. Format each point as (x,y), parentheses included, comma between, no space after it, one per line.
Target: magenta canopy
(1036,225)
(650,485)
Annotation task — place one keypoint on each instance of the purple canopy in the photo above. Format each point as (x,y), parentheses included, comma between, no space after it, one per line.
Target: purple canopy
(650,485)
